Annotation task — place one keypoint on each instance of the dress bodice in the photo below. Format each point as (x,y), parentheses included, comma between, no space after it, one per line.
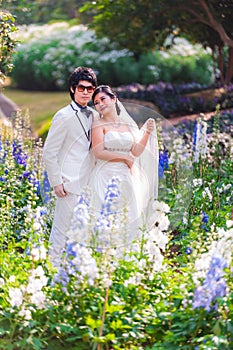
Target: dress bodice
(118,141)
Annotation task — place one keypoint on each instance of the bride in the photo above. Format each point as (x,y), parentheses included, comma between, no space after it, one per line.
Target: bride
(125,152)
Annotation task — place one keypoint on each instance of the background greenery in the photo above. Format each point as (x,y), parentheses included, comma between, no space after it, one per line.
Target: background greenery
(44,63)
(144,26)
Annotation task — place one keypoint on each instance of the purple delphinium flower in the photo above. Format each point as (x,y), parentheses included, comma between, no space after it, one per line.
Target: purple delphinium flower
(78,263)
(26,173)
(214,285)
(188,250)
(109,207)
(44,187)
(195,136)
(205,220)
(110,214)
(163,162)
(81,215)
(17,152)
(205,217)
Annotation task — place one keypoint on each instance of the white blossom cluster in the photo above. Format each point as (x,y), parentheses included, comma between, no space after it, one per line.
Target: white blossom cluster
(182,47)
(207,194)
(72,43)
(197,182)
(29,297)
(85,264)
(219,144)
(180,153)
(36,218)
(227,191)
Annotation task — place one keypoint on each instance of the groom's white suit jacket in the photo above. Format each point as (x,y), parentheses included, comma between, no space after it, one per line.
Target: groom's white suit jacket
(66,153)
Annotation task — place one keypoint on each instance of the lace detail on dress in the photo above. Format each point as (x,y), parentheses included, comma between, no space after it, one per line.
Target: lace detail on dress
(118,141)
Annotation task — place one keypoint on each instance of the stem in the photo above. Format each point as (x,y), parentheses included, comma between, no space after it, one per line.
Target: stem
(103,315)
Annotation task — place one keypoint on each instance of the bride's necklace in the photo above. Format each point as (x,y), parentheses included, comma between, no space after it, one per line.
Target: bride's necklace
(116,123)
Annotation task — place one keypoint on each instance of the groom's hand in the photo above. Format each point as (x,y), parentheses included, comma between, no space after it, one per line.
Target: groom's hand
(59,191)
(129,161)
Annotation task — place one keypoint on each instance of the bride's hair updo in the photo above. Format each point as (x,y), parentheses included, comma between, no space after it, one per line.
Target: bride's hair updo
(108,91)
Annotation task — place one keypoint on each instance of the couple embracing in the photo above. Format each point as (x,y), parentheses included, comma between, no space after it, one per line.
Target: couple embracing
(89,146)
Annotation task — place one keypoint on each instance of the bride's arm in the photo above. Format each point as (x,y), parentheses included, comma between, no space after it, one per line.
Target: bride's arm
(139,147)
(100,152)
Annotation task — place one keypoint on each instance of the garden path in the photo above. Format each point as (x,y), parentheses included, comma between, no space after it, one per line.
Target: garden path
(7,108)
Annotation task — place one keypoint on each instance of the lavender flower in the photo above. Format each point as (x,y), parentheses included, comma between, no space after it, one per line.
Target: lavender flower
(78,263)
(81,215)
(205,217)
(214,285)
(110,215)
(163,162)
(188,250)
(110,206)
(45,188)
(17,152)
(199,140)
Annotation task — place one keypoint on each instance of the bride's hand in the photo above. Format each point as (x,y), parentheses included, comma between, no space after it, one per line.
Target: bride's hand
(150,125)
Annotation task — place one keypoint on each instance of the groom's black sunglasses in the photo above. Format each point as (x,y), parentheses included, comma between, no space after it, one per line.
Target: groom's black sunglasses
(81,88)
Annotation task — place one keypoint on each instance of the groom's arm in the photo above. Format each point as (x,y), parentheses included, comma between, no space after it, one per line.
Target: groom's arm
(52,147)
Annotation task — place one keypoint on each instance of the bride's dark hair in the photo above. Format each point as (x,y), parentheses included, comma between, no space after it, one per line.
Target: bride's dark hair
(108,91)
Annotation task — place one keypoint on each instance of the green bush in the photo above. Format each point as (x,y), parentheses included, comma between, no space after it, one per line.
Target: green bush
(44,63)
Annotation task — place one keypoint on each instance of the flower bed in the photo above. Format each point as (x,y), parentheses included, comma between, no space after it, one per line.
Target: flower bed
(173,289)
(178,100)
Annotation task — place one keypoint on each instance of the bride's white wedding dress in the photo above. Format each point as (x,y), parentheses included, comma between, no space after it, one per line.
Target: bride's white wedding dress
(133,185)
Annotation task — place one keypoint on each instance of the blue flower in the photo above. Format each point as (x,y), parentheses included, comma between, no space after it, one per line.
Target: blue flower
(43,211)
(214,285)
(26,173)
(44,187)
(110,206)
(28,251)
(188,250)
(163,162)
(205,217)
(195,136)
(81,215)
(17,152)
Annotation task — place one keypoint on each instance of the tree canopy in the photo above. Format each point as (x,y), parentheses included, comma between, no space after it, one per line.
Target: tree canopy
(141,25)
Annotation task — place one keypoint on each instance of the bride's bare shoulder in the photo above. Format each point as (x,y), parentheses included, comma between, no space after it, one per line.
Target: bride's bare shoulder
(98,124)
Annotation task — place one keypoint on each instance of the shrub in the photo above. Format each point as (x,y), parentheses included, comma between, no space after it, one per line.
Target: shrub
(44,63)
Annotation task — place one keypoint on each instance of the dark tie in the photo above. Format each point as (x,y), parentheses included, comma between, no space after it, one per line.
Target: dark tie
(86,111)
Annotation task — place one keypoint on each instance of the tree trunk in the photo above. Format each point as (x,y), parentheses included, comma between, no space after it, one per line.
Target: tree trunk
(229,70)
(221,64)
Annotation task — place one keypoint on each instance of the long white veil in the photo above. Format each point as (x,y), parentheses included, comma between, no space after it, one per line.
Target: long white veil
(145,168)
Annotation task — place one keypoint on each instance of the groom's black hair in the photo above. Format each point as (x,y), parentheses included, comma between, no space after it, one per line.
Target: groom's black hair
(81,73)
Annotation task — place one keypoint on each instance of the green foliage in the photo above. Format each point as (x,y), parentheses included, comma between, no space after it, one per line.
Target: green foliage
(143,26)
(43,11)
(7,43)
(45,63)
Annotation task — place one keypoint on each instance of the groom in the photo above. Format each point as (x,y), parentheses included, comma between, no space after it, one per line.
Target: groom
(66,155)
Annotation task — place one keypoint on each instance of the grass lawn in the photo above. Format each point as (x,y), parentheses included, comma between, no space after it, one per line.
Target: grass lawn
(40,105)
